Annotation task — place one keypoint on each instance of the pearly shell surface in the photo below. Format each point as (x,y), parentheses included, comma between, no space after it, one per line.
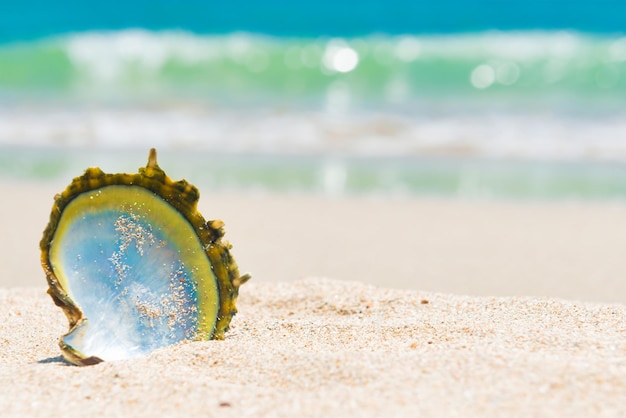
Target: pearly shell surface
(135,267)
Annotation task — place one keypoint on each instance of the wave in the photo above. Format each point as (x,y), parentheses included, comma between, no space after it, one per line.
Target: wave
(542,135)
(502,95)
(240,67)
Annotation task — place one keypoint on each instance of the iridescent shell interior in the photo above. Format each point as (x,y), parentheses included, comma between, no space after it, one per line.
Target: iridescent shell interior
(135,266)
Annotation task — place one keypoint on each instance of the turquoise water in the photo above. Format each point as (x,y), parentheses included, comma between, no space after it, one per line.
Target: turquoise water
(457,98)
(508,68)
(39,18)
(393,177)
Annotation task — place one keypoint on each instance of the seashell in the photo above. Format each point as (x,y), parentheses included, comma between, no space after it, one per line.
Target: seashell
(134,265)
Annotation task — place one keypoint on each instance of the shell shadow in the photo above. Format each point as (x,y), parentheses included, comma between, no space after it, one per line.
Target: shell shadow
(58,360)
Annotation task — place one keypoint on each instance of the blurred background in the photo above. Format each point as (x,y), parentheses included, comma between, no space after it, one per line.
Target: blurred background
(482,98)
(474,147)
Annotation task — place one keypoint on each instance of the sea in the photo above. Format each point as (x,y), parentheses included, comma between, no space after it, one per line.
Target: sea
(479,99)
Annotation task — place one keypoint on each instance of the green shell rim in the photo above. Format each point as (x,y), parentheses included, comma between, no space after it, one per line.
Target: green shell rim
(184,198)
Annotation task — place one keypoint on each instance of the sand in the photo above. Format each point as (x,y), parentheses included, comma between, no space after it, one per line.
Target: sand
(481,248)
(319,347)
(499,309)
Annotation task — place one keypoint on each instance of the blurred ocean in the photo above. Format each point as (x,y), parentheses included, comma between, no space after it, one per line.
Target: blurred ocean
(483,98)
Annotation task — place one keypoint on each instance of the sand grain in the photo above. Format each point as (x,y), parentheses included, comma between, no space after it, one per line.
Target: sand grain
(319,347)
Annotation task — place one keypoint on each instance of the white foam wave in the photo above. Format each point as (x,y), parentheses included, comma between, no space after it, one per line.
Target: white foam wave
(497,135)
(109,56)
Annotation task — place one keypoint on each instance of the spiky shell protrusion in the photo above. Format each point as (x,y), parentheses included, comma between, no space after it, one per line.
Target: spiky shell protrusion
(180,305)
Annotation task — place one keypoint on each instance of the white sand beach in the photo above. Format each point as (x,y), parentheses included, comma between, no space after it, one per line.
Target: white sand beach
(429,307)
(429,197)
(482,248)
(319,347)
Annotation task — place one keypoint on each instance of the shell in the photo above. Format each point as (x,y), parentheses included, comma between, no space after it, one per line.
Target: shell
(135,266)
